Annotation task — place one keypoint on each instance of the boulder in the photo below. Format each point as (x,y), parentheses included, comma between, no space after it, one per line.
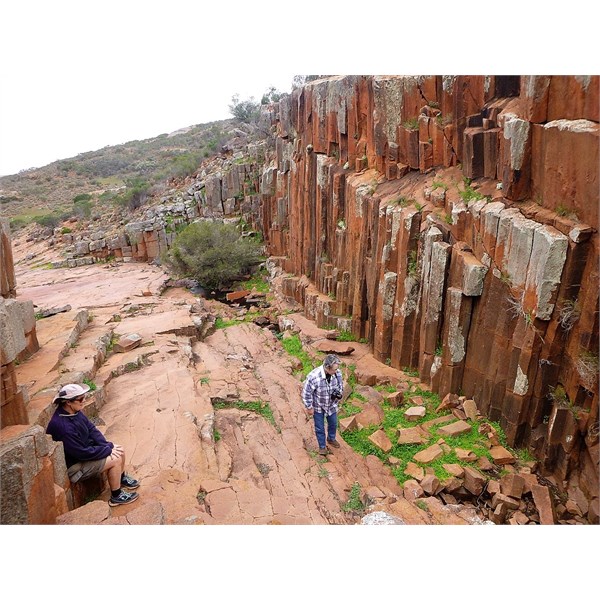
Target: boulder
(474,481)
(512,485)
(381,440)
(414,471)
(372,414)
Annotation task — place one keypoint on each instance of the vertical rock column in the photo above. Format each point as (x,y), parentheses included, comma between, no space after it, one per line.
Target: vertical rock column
(18,338)
(465,283)
(405,324)
(434,261)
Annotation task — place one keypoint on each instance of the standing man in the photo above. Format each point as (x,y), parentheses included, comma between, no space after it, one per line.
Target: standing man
(87,451)
(321,393)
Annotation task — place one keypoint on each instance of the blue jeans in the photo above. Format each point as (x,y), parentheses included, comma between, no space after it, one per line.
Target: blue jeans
(319,419)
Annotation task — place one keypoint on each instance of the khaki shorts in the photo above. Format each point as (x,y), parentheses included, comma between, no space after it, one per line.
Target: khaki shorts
(84,470)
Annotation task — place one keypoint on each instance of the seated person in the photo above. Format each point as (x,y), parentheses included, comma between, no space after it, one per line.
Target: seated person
(87,451)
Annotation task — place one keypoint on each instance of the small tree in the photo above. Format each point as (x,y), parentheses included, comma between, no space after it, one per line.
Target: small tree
(300,80)
(244,110)
(214,254)
(135,194)
(271,95)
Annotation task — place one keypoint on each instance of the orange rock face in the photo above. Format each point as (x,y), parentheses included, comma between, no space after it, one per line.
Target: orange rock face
(459,278)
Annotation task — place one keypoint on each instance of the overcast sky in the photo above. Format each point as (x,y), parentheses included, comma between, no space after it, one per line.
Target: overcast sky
(79,75)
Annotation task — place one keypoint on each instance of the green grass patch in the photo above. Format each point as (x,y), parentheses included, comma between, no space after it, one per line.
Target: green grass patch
(293,346)
(221,323)
(351,406)
(346,336)
(390,389)
(394,419)
(258,282)
(354,503)
(259,407)
(410,372)
(90,383)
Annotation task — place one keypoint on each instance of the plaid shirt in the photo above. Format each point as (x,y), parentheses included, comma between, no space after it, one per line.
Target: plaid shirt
(316,392)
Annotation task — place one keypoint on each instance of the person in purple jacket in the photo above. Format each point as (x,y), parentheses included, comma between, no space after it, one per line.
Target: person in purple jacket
(87,451)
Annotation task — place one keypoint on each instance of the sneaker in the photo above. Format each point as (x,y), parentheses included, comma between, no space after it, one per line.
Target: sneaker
(123,498)
(129,482)
(334,443)
(323,451)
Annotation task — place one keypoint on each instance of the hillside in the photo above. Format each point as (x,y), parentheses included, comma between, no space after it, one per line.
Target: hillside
(35,193)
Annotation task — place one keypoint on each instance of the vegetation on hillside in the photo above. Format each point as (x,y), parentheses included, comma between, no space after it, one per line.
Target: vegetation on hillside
(122,173)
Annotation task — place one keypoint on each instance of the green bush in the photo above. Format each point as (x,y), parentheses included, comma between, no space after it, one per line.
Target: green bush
(213,254)
(135,194)
(245,110)
(82,198)
(50,219)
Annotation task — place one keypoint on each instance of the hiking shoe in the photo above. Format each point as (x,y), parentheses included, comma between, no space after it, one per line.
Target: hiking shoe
(323,451)
(129,482)
(334,443)
(123,498)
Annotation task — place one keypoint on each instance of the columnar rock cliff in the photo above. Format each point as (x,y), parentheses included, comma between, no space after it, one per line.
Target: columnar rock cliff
(18,338)
(452,222)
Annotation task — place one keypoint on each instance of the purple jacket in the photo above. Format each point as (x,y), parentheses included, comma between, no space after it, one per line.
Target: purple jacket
(80,437)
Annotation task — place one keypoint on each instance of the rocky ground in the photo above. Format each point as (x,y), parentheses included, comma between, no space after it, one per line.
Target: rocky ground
(197,464)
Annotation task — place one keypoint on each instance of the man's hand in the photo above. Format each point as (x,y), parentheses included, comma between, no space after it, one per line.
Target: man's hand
(309,412)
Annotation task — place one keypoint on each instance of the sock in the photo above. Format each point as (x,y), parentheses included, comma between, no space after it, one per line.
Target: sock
(115,493)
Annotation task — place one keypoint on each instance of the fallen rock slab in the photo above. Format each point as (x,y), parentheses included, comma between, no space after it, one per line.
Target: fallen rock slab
(544,504)
(414,413)
(474,481)
(429,454)
(411,435)
(332,347)
(501,456)
(127,342)
(381,440)
(455,429)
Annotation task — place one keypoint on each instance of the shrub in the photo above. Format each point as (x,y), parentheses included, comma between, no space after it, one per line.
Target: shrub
(82,198)
(213,254)
(183,165)
(135,194)
(49,220)
(83,209)
(244,110)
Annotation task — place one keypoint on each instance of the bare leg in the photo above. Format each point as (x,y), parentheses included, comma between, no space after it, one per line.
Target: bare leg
(114,468)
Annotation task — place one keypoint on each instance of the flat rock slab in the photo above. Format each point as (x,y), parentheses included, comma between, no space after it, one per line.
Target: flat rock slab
(332,347)
(127,342)
(412,435)
(455,429)
(429,454)
(414,413)
(501,456)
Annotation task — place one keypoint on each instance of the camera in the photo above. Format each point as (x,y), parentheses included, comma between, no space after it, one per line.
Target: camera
(336,395)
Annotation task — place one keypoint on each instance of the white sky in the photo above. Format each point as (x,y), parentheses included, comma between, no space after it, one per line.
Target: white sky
(79,75)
